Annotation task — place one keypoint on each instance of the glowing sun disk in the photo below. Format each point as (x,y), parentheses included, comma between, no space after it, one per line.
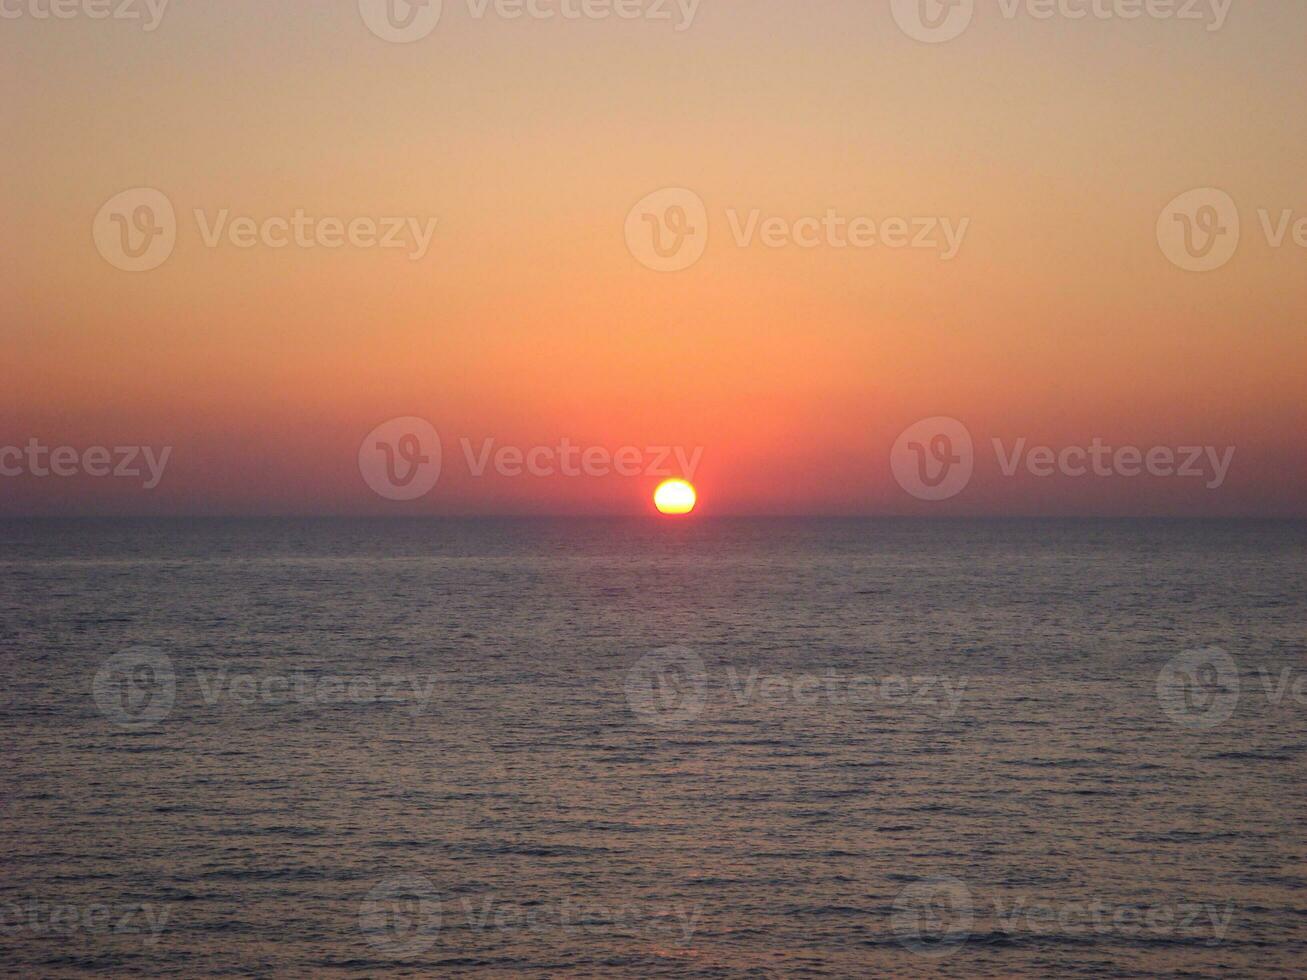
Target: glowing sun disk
(675,497)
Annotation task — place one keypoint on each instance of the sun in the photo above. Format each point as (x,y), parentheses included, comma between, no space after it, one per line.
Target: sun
(675,497)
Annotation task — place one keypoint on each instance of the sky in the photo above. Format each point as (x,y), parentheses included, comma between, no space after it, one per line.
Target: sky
(1017,272)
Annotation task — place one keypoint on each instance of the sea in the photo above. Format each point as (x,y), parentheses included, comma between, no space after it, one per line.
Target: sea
(653,748)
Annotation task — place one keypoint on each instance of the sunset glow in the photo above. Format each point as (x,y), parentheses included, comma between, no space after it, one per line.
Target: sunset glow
(650,252)
(365,361)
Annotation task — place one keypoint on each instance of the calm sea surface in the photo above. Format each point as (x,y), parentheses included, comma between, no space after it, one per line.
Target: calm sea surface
(639,748)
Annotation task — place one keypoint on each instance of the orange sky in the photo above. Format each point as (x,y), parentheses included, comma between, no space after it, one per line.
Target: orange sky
(530,320)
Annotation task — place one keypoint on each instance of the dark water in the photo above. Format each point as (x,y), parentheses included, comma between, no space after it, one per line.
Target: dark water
(636,748)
